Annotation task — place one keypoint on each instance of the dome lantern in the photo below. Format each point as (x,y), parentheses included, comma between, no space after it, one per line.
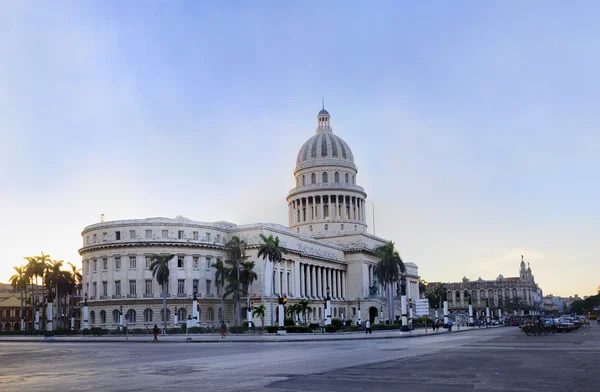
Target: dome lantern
(323,123)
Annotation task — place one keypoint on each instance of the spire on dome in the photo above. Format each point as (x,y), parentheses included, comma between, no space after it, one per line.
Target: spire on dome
(323,118)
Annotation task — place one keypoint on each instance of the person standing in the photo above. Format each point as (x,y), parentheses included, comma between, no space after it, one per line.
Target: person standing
(223,329)
(155,331)
(368,327)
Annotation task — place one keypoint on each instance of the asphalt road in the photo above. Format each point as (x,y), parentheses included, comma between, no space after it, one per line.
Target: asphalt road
(486,360)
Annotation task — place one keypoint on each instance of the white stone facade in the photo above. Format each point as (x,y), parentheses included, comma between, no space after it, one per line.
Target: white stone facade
(327,247)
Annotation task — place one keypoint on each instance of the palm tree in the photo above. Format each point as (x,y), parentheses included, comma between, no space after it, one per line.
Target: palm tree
(304,306)
(160,271)
(237,254)
(19,282)
(388,271)
(221,274)
(247,277)
(259,311)
(269,249)
(76,279)
(36,267)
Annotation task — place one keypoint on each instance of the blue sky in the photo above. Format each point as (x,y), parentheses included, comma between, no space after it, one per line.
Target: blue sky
(472,123)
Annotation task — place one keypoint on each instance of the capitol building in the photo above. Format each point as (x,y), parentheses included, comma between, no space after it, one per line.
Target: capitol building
(327,247)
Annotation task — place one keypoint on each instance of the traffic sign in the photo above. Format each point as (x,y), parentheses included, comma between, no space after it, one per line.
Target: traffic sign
(422,307)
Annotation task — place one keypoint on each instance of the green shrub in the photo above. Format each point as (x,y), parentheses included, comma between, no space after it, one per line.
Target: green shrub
(271,328)
(379,327)
(96,331)
(86,331)
(337,323)
(288,322)
(314,326)
(194,329)
(297,329)
(331,328)
(238,329)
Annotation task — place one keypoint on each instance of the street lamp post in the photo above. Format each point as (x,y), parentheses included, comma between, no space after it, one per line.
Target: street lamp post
(470,312)
(487,312)
(381,315)
(359,320)
(175,318)
(328,308)
(121,318)
(404,326)
(85,312)
(195,321)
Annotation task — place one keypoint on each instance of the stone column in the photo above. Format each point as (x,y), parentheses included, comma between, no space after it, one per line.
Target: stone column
(322,208)
(319,282)
(313,288)
(49,330)
(284,284)
(301,276)
(343,207)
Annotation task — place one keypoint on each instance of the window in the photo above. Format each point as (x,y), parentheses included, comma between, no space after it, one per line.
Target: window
(104,263)
(132,234)
(180,261)
(162,314)
(208,287)
(342,227)
(87,240)
(87,266)
(132,262)
(104,288)
(218,237)
(346,178)
(353,179)
(195,285)
(165,234)
(117,262)
(94,240)
(94,289)
(324,177)
(116,315)
(326,211)
(303,180)
(132,288)
(147,315)
(117,235)
(104,237)
(131,314)
(180,286)
(355,228)
(195,235)
(310,228)
(211,315)
(148,260)
(92,317)
(117,287)
(103,317)
(208,262)
(195,262)
(148,233)
(180,235)
(148,287)
(208,237)
(313,178)
(326,226)
(336,177)
(94,263)
(181,314)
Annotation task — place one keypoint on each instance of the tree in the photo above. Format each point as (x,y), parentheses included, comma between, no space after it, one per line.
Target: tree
(422,287)
(247,277)
(160,271)
(304,306)
(36,266)
(269,250)
(259,311)
(434,295)
(19,281)
(513,304)
(388,271)
(237,254)
(220,279)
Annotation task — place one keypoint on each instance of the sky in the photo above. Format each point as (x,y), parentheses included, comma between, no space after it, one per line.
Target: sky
(473,124)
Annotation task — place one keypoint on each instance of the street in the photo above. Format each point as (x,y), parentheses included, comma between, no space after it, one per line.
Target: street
(492,359)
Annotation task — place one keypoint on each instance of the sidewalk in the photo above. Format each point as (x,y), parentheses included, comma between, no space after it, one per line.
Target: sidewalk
(241,338)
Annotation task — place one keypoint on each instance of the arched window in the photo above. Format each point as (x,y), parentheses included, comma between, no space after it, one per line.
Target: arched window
(336,177)
(473,296)
(324,177)
(481,295)
(103,317)
(162,315)
(346,178)
(92,317)
(181,314)
(319,313)
(303,179)
(334,312)
(506,293)
(457,296)
(131,314)
(353,179)
(116,315)
(326,226)
(211,315)
(297,181)
(514,295)
(147,315)
(314,313)
(313,178)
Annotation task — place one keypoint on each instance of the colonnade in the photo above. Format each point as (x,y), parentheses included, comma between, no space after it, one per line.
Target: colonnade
(479,296)
(326,206)
(315,279)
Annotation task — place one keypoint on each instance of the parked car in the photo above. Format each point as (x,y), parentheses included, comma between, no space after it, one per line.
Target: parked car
(564,325)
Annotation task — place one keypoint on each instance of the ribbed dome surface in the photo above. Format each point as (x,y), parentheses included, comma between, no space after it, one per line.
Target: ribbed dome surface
(325,145)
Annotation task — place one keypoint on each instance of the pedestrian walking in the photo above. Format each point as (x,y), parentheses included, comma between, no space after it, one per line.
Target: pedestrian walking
(155,332)
(223,329)
(368,327)
(433,325)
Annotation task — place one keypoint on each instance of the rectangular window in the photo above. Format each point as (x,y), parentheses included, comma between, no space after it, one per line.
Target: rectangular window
(165,234)
(208,262)
(195,262)
(180,235)
(104,237)
(132,288)
(95,264)
(180,261)
(218,237)
(180,286)
(196,284)
(104,263)
(117,287)
(208,237)
(117,262)
(94,287)
(195,235)
(95,237)
(148,233)
(105,289)
(208,286)
(132,234)
(117,235)
(132,262)
(87,240)
(148,286)
(87,287)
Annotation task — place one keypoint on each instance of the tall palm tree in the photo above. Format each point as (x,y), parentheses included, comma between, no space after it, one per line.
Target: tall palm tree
(36,267)
(269,250)
(259,311)
(221,273)
(237,254)
(19,282)
(388,271)
(76,279)
(247,277)
(160,271)
(304,306)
